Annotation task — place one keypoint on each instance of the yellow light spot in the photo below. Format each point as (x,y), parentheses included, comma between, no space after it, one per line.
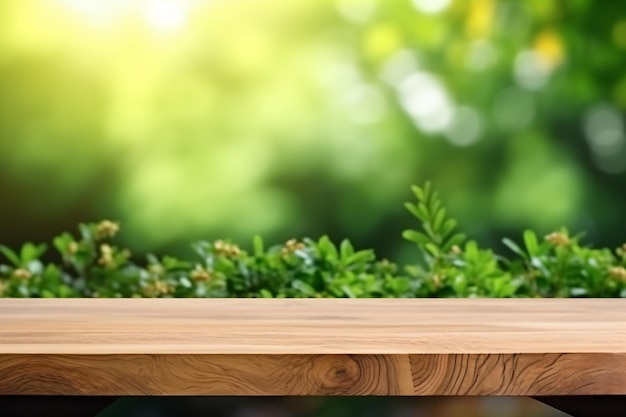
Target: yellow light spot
(549,46)
(480,18)
(381,41)
(36,28)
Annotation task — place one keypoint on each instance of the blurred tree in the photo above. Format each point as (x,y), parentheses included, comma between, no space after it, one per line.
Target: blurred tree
(199,118)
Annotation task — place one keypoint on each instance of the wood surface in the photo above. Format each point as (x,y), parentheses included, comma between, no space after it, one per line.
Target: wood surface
(313,347)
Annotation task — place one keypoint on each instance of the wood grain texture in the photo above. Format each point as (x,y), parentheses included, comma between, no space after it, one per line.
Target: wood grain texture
(312,347)
(312,326)
(205,375)
(519,374)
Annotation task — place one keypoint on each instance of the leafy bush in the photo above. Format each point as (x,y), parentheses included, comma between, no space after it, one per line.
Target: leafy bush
(449,265)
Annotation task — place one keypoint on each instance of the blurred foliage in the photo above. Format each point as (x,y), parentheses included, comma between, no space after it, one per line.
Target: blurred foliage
(448,266)
(231,118)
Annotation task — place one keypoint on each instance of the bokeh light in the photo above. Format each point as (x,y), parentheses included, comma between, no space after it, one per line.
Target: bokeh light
(212,118)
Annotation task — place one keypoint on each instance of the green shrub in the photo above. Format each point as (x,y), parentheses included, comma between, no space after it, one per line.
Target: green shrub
(447,265)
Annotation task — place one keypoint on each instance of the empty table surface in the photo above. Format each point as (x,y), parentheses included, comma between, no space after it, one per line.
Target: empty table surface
(313,346)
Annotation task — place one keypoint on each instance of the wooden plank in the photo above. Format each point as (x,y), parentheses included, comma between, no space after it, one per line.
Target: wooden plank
(312,326)
(376,375)
(312,347)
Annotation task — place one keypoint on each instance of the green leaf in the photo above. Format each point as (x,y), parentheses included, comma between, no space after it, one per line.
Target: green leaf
(434,204)
(419,193)
(438,220)
(47,294)
(171,263)
(62,243)
(30,252)
(346,249)
(10,255)
(530,240)
(257,243)
(578,292)
(416,237)
(202,248)
(66,292)
(152,259)
(424,211)
(303,288)
(327,248)
(447,227)
(263,293)
(433,236)
(433,249)
(362,256)
(419,212)
(412,208)
(399,285)
(348,291)
(185,282)
(455,240)
(471,251)
(514,247)
(52,274)
(86,231)
(536,262)
(427,190)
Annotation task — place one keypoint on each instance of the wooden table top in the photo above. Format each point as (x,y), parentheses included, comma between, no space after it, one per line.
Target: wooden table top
(313,346)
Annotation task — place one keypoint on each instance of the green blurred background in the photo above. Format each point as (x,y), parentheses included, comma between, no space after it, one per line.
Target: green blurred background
(197,119)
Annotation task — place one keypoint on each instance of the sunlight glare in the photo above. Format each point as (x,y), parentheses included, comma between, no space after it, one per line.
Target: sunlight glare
(166,14)
(158,14)
(96,11)
(424,97)
(431,6)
